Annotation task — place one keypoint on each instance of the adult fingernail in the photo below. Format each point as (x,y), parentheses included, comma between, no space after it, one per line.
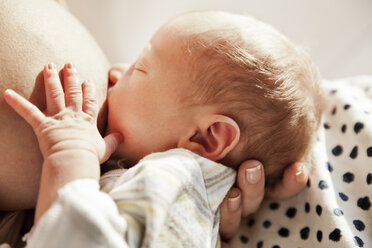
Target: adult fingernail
(300,175)
(253,175)
(233,203)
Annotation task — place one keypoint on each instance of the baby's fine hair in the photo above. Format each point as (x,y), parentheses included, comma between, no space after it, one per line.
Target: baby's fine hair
(260,79)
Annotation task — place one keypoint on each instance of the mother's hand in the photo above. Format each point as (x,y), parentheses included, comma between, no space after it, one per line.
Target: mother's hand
(246,199)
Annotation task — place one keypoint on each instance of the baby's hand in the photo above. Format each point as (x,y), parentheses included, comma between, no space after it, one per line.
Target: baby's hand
(67,132)
(69,122)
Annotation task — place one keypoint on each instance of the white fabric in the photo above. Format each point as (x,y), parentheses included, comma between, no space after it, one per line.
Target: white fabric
(168,199)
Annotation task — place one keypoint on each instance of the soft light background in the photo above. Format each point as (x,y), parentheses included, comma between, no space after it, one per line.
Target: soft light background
(338,33)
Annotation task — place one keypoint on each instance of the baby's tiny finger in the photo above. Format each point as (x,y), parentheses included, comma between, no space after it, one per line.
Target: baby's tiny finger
(55,98)
(24,108)
(112,141)
(72,86)
(90,104)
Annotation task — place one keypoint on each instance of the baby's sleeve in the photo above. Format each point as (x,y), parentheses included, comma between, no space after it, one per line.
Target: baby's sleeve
(160,202)
(82,216)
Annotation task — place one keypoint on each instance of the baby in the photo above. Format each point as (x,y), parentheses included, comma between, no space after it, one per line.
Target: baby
(225,87)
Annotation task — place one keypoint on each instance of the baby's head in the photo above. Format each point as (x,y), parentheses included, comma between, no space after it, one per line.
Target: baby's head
(225,86)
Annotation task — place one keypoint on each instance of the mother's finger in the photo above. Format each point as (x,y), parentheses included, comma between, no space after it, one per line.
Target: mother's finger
(231,214)
(251,182)
(55,98)
(72,86)
(24,108)
(294,180)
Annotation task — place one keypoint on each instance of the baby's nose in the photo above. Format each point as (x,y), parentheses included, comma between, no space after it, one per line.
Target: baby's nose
(114,77)
(116,72)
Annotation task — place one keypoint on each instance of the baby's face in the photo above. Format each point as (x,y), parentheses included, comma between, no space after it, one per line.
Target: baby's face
(145,105)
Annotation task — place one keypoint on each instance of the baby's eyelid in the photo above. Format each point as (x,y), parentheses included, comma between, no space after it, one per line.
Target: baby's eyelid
(140,67)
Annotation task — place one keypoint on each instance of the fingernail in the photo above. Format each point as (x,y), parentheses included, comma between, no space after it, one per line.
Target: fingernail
(253,175)
(9,92)
(69,65)
(300,175)
(233,203)
(51,66)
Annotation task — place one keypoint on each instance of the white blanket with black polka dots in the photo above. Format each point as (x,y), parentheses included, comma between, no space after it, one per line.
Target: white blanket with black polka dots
(335,209)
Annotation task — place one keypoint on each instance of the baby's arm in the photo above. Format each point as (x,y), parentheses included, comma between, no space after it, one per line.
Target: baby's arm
(68,137)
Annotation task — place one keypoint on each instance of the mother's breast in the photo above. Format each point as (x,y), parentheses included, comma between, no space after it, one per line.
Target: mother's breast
(32,34)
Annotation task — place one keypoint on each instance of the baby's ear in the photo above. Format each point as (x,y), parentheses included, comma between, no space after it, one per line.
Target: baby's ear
(213,138)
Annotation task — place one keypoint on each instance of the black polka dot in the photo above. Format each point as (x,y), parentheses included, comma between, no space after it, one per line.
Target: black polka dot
(304,233)
(283,232)
(329,167)
(337,150)
(322,185)
(348,177)
(343,128)
(251,222)
(259,244)
(334,110)
(364,203)
(276,246)
(359,225)
(369,151)
(343,196)
(354,152)
(332,92)
(319,210)
(335,235)
(358,241)
(369,178)
(243,239)
(274,206)
(308,183)
(338,212)
(319,236)
(291,212)
(266,223)
(326,126)
(358,127)
(347,106)
(307,207)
